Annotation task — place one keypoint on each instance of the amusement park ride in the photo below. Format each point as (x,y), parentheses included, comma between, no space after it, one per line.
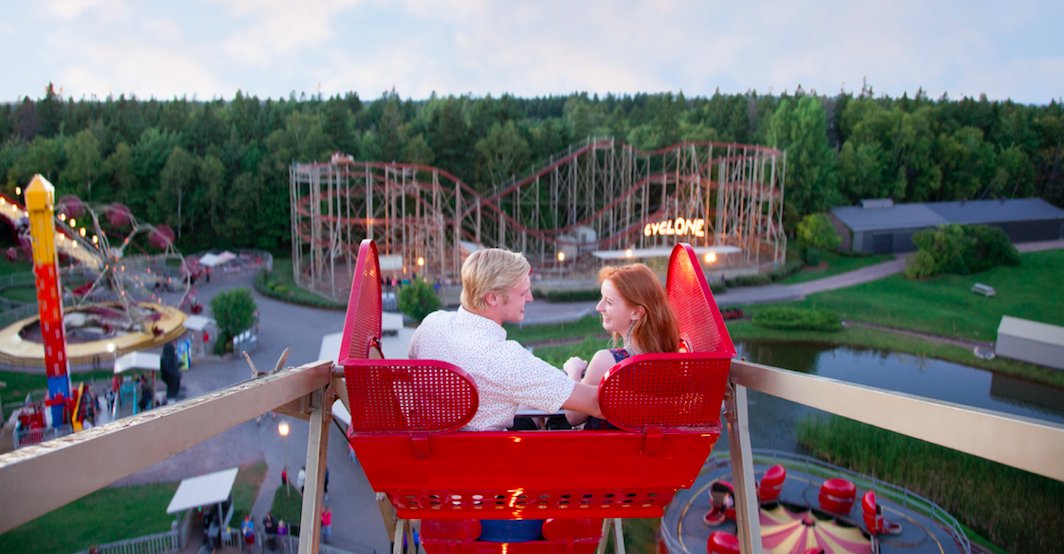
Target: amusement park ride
(125,281)
(597,201)
(406,415)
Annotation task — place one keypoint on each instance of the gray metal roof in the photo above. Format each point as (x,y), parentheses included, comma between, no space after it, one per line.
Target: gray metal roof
(930,214)
(898,216)
(997,211)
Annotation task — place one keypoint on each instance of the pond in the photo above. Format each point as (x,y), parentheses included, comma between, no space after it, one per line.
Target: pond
(773,421)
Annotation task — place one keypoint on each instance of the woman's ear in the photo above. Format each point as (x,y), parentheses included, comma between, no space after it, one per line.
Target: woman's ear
(638,313)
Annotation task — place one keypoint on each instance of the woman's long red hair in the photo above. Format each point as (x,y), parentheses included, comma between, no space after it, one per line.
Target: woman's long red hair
(657,330)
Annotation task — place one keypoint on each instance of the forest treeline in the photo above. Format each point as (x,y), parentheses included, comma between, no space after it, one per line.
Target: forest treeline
(217,171)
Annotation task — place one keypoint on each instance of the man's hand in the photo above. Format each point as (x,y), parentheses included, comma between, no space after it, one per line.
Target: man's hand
(574,367)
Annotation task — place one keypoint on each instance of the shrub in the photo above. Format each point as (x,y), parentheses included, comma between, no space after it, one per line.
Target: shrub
(750,280)
(816,231)
(234,310)
(811,256)
(961,250)
(798,319)
(418,299)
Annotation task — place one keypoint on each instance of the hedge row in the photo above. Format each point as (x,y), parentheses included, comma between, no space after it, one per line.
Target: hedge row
(798,319)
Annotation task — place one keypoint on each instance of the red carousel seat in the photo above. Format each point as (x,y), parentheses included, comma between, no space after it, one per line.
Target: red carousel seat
(771,485)
(406,416)
(721,542)
(837,496)
(873,517)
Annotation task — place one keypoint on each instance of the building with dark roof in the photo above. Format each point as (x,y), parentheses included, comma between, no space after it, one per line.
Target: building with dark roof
(882,227)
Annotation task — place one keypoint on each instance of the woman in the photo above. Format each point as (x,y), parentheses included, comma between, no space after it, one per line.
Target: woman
(636,311)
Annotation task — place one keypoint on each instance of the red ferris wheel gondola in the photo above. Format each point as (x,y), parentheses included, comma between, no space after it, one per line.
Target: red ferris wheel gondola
(406,416)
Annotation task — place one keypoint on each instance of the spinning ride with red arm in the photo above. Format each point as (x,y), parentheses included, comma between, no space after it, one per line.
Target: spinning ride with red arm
(406,416)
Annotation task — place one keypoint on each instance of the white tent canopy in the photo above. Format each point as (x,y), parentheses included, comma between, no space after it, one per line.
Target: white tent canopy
(137,360)
(213,260)
(203,490)
(659,252)
(198,322)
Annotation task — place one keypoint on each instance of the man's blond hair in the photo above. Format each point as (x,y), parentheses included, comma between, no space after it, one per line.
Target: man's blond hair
(492,270)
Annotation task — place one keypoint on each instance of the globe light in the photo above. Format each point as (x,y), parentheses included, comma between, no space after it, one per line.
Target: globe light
(282,428)
(561,256)
(711,257)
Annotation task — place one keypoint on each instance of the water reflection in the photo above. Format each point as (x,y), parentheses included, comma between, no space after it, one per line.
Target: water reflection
(773,421)
(930,378)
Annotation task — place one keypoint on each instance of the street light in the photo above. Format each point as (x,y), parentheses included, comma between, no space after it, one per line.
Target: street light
(282,429)
(114,363)
(711,257)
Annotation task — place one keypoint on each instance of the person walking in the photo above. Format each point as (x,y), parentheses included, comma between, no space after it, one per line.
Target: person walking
(326,524)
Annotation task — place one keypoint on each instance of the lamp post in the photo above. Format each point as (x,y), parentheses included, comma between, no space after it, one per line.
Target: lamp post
(283,429)
(117,392)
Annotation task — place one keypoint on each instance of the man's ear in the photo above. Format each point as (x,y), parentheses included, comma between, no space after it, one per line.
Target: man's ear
(491,299)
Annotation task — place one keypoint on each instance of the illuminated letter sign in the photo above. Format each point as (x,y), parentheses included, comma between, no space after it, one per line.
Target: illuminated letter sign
(678,226)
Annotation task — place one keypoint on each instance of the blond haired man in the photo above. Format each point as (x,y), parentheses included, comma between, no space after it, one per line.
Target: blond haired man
(495,289)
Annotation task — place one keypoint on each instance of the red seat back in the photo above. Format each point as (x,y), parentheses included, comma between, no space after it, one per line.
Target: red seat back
(701,324)
(771,485)
(416,396)
(362,326)
(837,496)
(665,391)
(873,520)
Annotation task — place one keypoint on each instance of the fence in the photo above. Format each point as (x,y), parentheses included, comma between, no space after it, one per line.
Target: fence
(167,541)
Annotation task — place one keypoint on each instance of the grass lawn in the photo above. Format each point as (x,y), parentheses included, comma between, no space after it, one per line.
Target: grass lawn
(834,265)
(107,515)
(946,305)
(117,513)
(20,384)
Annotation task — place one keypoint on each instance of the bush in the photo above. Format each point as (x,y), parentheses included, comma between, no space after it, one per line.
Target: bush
(234,310)
(961,250)
(798,319)
(418,300)
(750,280)
(816,231)
(811,256)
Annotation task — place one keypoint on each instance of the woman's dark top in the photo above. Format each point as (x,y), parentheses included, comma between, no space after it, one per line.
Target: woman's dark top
(594,423)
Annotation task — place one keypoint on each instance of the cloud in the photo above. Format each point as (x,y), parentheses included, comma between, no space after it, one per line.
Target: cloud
(266,30)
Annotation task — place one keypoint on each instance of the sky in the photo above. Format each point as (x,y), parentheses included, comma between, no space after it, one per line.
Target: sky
(208,49)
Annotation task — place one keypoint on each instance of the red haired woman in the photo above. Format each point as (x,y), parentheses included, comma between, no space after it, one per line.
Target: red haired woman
(636,311)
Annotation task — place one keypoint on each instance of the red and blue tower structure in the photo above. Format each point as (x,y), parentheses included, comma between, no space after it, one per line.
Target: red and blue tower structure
(40,205)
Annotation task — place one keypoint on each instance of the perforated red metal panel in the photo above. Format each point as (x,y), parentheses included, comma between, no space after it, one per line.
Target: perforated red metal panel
(529,475)
(701,324)
(409,395)
(667,391)
(362,327)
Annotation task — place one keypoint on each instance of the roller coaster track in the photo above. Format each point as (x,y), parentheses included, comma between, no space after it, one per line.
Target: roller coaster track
(600,195)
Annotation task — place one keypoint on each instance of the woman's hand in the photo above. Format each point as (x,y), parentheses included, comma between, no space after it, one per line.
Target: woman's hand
(574,367)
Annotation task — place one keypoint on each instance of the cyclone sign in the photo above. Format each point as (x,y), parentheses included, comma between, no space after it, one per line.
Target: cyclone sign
(676,227)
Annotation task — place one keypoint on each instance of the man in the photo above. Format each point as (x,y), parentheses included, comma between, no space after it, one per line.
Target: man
(495,289)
